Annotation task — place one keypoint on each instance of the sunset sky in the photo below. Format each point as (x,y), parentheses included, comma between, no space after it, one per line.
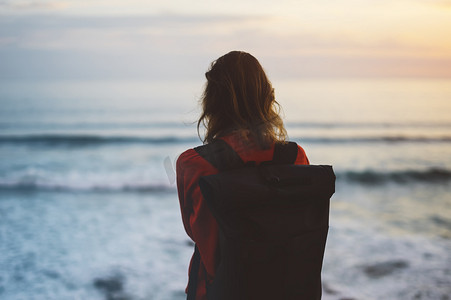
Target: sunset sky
(84,39)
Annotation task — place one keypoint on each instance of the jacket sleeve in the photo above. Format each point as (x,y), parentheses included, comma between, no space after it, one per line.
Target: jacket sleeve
(301,158)
(184,209)
(198,221)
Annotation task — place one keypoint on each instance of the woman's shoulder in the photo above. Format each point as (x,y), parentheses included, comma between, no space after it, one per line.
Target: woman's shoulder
(300,148)
(301,158)
(187,157)
(191,159)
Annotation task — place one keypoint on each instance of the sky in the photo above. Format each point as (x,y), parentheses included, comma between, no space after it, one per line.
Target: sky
(103,39)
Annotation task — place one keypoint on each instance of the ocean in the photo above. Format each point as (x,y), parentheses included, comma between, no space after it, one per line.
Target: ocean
(89,208)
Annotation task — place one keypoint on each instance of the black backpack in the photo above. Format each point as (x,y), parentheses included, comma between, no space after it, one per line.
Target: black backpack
(273,221)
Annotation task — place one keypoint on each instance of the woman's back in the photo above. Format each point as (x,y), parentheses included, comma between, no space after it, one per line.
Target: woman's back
(239,107)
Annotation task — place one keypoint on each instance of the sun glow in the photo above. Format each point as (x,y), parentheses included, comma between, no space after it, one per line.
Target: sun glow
(362,38)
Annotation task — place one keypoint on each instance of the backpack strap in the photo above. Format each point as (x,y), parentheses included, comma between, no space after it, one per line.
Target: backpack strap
(285,153)
(220,155)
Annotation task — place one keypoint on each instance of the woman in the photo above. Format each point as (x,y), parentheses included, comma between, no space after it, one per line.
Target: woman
(239,107)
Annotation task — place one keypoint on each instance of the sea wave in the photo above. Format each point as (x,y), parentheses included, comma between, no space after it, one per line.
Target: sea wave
(105,125)
(368,177)
(27,185)
(371,177)
(91,125)
(89,140)
(80,140)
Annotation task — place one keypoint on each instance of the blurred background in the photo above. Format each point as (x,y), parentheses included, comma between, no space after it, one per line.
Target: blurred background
(98,98)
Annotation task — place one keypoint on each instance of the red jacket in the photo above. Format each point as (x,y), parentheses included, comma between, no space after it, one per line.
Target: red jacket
(199,223)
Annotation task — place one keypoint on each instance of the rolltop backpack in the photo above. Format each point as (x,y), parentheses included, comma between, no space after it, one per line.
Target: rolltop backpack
(273,220)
